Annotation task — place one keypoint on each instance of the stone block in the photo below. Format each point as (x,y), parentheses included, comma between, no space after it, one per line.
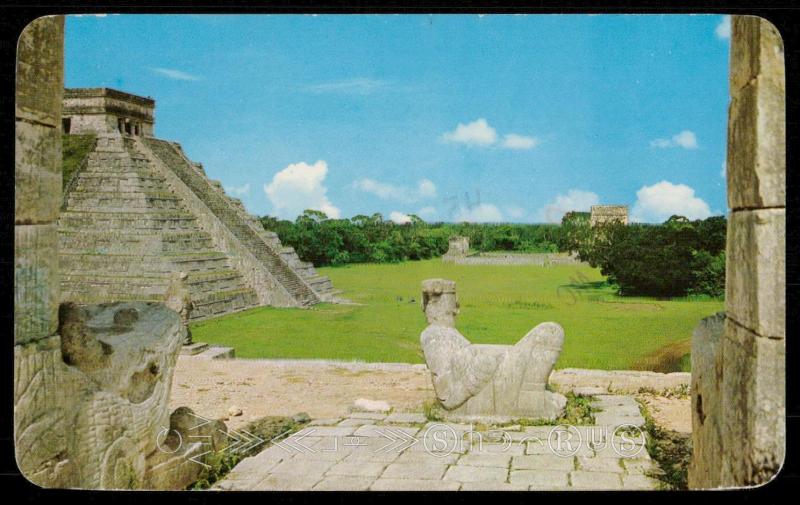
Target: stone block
(287,482)
(492,486)
(596,481)
(639,483)
(495,460)
(37,173)
(306,465)
(540,479)
(542,462)
(405,418)
(756,160)
(756,50)
(36,281)
(466,473)
(600,464)
(416,471)
(371,430)
(40,71)
(340,483)
(756,271)
(707,368)
(424,457)
(754,399)
(357,469)
(388,484)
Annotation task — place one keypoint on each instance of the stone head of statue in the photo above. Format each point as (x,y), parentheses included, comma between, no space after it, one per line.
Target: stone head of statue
(439,302)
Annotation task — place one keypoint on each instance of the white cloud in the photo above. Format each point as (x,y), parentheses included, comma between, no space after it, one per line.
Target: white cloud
(477,133)
(357,86)
(175,74)
(575,199)
(685,139)
(723,29)
(238,190)
(514,141)
(724,172)
(656,203)
(481,213)
(425,189)
(298,187)
(515,211)
(426,212)
(399,217)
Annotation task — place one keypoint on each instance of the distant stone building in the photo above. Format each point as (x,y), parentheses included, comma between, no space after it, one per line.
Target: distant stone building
(601,214)
(458,246)
(137,211)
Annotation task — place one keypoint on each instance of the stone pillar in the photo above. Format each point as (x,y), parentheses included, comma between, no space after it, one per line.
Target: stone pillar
(37,184)
(439,302)
(750,408)
(39,432)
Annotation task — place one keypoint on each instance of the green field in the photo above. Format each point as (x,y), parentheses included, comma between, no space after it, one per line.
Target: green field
(499,304)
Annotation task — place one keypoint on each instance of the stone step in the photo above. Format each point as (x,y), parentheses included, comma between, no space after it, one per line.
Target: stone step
(223,302)
(217,352)
(194,348)
(234,218)
(201,284)
(121,201)
(97,288)
(134,241)
(152,220)
(129,181)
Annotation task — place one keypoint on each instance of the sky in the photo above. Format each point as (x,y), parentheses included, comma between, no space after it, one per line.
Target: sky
(480,118)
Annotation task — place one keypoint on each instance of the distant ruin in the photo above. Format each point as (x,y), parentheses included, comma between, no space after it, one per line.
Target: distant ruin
(601,214)
(137,211)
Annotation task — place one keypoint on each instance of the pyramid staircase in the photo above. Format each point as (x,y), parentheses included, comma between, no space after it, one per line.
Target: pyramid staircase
(297,277)
(123,234)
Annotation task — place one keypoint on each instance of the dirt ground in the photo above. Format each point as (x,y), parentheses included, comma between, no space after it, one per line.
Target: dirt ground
(262,388)
(673,413)
(323,390)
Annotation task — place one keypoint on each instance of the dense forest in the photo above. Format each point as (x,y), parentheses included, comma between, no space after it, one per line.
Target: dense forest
(676,258)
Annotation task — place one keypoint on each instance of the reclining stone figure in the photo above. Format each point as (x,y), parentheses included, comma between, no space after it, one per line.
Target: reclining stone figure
(480,381)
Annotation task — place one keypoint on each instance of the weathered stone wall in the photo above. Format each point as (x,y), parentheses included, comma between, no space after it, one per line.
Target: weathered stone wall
(739,394)
(37,183)
(497,258)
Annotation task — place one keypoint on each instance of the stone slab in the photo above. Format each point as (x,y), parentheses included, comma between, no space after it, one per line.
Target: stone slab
(417,471)
(405,418)
(340,483)
(466,473)
(596,481)
(542,462)
(361,469)
(385,484)
(495,460)
(540,479)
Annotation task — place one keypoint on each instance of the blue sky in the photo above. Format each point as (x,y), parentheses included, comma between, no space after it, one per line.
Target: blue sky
(461,117)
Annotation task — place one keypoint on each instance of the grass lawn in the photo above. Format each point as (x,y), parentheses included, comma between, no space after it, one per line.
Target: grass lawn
(499,304)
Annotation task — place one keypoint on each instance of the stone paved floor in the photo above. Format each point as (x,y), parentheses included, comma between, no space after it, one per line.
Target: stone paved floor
(403,451)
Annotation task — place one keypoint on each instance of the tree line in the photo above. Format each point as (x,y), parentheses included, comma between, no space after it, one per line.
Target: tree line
(677,258)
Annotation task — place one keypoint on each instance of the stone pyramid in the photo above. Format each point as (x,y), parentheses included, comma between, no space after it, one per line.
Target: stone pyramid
(137,210)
